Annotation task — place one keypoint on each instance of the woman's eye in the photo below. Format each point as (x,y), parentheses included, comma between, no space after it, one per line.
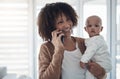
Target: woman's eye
(60,22)
(68,19)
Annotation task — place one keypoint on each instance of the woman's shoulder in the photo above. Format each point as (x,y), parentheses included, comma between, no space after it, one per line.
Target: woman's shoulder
(81,43)
(47,44)
(47,48)
(79,39)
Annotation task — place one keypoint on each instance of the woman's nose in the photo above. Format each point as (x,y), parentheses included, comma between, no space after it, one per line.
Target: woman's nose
(67,24)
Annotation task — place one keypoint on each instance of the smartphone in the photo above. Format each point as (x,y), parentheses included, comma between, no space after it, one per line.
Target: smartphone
(62,39)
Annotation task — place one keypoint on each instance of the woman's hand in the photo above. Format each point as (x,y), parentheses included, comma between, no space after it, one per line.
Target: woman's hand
(56,39)
(96,70)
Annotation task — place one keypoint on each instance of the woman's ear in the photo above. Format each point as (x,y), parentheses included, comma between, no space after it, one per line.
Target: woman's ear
(101,28)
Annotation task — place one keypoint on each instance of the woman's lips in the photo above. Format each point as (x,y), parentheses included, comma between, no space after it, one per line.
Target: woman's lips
(66,30)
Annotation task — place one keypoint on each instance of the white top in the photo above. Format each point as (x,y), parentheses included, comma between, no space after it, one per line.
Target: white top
(97,51)
(71,65)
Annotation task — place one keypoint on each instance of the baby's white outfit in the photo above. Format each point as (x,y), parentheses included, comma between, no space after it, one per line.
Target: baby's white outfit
(97,51)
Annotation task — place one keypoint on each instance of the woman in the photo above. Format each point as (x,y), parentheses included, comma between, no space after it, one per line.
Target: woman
(60,55)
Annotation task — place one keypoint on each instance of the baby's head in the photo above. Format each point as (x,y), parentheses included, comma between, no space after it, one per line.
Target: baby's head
(93,25)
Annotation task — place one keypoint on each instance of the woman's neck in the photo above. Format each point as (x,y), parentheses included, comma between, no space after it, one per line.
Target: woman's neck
(69,43)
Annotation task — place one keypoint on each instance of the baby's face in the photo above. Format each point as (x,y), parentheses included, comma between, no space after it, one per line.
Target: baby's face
(93,26)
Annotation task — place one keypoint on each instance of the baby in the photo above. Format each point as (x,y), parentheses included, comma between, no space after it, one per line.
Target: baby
(96,47)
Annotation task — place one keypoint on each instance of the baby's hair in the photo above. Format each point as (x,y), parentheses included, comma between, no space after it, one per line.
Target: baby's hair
(94,16)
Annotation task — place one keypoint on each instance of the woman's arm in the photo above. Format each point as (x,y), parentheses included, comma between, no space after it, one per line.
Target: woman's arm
(49,65)
(96,70)
(51,56)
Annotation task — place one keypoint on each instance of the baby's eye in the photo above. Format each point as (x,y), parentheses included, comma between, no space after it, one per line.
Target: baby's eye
(89,25)
(96,25)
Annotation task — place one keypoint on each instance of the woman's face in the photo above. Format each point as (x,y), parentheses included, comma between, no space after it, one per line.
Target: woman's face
(64,24)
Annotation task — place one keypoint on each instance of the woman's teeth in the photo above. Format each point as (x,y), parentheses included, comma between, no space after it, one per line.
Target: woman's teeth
(66,30)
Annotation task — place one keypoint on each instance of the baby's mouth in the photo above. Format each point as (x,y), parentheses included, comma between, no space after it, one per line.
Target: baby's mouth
(92,31)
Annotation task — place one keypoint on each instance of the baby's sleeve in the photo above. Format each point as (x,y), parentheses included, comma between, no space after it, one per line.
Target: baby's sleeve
(91,48)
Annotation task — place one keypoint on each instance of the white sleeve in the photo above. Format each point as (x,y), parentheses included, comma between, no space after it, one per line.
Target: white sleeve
(105,60)
(103,57)
(89,52)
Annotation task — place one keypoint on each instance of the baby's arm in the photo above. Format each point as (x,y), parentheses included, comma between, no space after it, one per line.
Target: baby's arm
(105,61)
(89,53)
(92,45)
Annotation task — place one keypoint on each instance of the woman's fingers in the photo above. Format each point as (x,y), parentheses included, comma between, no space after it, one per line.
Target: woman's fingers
(55,32)
(56,38)
(95,69)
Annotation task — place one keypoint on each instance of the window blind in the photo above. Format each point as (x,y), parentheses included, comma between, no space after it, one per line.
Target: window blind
(14,36)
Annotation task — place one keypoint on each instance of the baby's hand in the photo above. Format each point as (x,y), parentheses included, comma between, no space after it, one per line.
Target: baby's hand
(83,65)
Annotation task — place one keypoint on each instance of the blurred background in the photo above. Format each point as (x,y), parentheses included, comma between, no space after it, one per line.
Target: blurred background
(20,42)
